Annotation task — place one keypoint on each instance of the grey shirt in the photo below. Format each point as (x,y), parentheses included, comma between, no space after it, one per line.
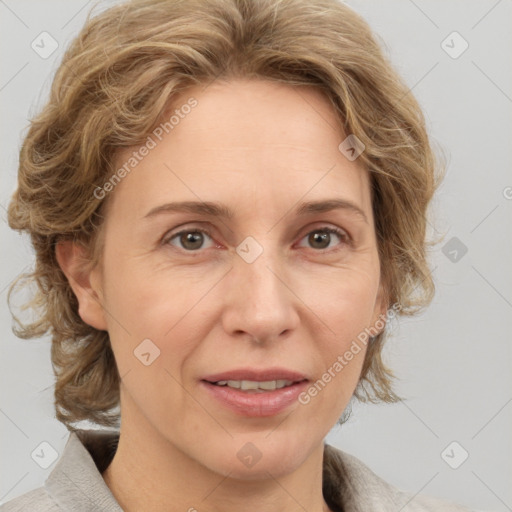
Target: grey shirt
(76,483)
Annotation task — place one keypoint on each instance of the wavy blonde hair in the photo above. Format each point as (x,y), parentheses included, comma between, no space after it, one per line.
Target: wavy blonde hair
(117,78)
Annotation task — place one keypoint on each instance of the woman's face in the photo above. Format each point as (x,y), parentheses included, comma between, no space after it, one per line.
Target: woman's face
(265,294)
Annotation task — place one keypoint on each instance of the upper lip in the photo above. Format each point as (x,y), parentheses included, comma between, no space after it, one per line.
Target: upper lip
(252,374)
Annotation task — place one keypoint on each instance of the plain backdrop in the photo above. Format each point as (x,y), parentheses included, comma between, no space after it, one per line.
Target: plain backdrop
(451,437)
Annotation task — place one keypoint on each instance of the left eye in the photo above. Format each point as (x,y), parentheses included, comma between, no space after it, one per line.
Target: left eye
(321,238)
(193,239)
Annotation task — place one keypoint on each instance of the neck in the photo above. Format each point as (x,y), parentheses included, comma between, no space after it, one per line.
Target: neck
(148,472)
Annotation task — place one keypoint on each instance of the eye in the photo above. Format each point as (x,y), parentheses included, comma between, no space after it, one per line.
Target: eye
(321,238)
(192,240)
(189,239)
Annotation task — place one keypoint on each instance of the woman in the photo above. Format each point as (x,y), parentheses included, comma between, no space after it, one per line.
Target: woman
(227,199)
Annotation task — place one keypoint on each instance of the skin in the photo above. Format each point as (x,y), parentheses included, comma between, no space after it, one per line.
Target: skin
(260,148)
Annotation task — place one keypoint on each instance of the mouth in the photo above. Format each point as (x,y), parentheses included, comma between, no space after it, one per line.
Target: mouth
(254,386)
(256,392)
(250,379)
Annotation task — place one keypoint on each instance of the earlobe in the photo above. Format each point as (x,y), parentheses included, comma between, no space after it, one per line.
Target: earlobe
(84,282)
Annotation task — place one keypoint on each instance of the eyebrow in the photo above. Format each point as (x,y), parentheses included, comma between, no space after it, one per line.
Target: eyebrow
(220,210)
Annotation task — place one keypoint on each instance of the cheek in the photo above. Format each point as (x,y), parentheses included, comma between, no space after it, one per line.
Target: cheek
(142,297)
(161,307)
(152,337)
(346,306)
(345,299)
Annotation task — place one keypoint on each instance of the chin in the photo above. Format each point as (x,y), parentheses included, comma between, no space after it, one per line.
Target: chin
(252,457)
(272,467)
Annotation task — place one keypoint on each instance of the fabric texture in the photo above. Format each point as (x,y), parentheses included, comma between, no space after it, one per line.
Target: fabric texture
(76,484)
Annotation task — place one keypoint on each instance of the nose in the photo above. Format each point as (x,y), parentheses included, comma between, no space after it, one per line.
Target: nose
(259,303)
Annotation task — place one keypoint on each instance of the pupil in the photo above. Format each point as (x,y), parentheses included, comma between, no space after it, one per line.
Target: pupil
(192,240)
(323,238)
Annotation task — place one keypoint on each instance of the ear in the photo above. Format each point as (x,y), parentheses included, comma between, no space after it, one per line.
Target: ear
(84,281)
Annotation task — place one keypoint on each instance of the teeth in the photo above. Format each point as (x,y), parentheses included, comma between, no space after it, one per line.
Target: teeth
(268,385)
(246,385)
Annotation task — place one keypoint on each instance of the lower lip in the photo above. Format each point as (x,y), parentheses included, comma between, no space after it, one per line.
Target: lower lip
(268,403)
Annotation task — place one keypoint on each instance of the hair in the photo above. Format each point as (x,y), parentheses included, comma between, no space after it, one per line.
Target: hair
(117,78)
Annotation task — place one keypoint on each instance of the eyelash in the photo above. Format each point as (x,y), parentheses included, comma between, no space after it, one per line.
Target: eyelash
(343,235)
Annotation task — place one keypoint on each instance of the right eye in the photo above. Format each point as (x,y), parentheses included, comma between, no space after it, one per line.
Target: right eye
(190,240)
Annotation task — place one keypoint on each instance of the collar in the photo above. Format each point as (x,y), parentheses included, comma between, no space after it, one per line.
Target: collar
(76,483)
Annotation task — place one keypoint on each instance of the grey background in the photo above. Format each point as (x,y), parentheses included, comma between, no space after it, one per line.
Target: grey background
(454,361)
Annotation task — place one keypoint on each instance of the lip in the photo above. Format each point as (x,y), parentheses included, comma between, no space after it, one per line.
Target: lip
(267,403)
(261,404)
(257,375)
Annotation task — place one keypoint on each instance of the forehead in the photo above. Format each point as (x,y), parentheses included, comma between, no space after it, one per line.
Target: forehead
(245,140)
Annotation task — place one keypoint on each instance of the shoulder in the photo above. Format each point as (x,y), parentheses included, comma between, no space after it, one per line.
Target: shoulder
(37,500)
(359,487)
(75,482)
